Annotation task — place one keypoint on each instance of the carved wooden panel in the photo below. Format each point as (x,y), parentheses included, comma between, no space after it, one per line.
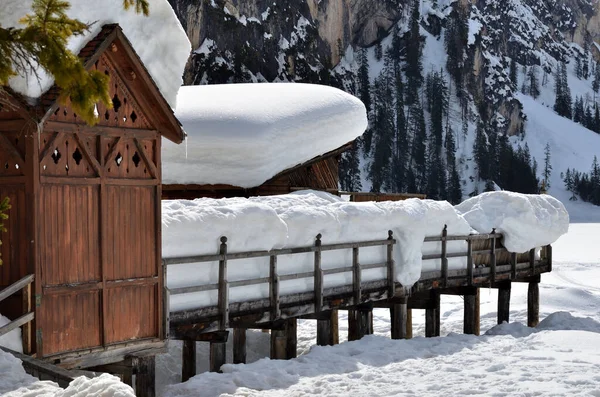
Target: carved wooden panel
(69,154)
(12,154)
(125,111)
(130,158)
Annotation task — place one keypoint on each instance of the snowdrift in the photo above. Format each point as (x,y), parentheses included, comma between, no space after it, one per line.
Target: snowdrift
(527,221)
(165,59)
(244,134)
(294,220)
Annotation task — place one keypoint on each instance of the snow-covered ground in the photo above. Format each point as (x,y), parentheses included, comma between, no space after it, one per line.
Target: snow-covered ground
(561,357)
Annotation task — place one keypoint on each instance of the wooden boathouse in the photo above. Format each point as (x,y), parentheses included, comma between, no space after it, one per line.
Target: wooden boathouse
(85,218)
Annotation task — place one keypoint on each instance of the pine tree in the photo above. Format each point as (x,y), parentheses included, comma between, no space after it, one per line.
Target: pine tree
(378,51)
(380,172)
(578,112)
(349,170)
(481,154)
(588,118)
(578,68)
(534,85)
(513,72)
(596,81)
(419,144)
(596,126)
(547,166)
(364,94)
(414,64)
(563,102)
(43,40)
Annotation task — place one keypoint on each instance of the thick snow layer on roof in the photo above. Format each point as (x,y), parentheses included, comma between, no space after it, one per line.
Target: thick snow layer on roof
(527,221)
(263,223)
(244,134)
(158,39)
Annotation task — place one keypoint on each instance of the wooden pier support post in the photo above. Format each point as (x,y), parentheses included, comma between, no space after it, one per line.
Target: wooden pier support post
(432,315)
(471,313)
(218,355)
(409,327)
(360,322)
(239,346)
(533,303)
(327,329)
(399,319)
(503,301)
(145,377)
(188,360)
(284,340)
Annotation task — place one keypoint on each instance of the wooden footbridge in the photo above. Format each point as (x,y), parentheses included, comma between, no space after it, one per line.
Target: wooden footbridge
(488,264)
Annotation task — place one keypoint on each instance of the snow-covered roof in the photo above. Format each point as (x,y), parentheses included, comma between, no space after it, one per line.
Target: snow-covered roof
(159,40)
(244,134)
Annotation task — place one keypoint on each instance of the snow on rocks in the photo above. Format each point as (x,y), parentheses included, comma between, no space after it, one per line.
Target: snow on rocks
(165,59)
(527,221)
(263,223)
(244,134)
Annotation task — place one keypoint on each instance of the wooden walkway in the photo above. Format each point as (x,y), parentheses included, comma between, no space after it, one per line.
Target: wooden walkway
(488,265)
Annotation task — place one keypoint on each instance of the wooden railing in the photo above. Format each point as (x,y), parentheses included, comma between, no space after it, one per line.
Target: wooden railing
(25,320)
(275,279)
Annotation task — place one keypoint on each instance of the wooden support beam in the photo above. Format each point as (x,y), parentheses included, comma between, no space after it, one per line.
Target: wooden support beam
(409,327)
(533,304)
(145,377)
(218,354)
(471,314)
(432,315)
(239,346)
(327,329)
(360,322)
(188,360)
(503,301)
(284,342)
(398,318)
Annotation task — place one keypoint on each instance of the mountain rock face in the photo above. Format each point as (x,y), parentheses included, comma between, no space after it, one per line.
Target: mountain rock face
(488,51)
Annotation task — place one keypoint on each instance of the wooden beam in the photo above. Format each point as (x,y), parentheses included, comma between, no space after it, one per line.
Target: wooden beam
(471,314)
(145,378)
(398,319)
(327,329)
(239,346)
(218,354)
(504,302)
(533,304)
(360,322)
(284,342)
(432,316)
(188,360)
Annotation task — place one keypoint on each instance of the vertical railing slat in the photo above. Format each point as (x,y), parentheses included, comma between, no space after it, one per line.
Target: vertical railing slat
(223,286)
(513,265)
(493,258)
(391,268)
(470,262)
(444,253)
(356,276)
(318,276)
(274,290)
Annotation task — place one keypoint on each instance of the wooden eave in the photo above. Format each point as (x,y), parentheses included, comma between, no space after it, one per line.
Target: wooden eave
(232,188)
(139,82)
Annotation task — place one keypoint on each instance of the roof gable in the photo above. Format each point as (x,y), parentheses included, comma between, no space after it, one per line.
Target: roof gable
(111,52)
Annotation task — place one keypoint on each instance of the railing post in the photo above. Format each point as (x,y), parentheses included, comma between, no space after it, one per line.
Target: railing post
(318,276)
(532,260)
(493,258)
(223,286)
(513,265)
(274,290)
(444,253)
(470,262)
(391,269)
(27,326)
(356,276)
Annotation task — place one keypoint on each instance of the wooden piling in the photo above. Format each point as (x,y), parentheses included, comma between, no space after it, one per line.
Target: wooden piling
(284,340)
(503,302)
(239,346)
(409,327)
(399,317)
(533,304)
(360,322)
(471,313)
(432,315)
(327,329)
(145,377)
(218,354)
(188,360)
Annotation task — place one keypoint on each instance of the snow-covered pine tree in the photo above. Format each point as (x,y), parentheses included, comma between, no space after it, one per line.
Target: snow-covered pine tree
(414,63)
(547,166)
(534,85)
